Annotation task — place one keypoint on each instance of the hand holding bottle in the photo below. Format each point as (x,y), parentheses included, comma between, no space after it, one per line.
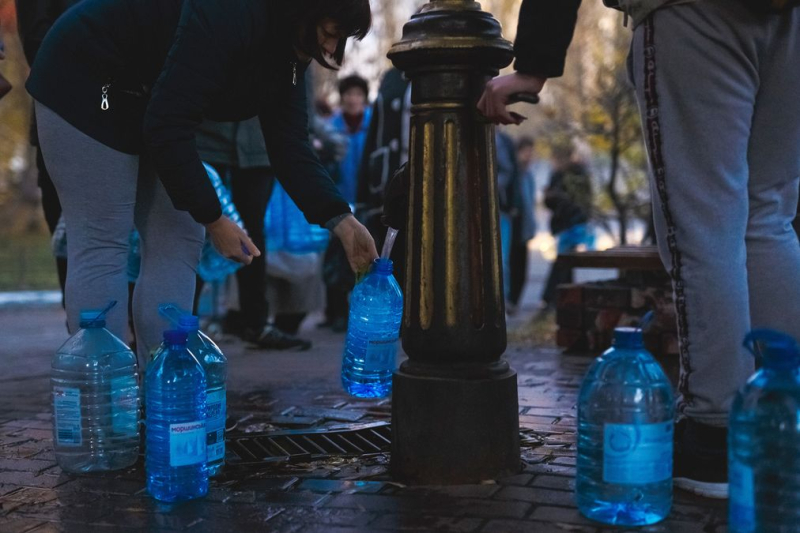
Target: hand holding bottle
(231,241)
(358,243)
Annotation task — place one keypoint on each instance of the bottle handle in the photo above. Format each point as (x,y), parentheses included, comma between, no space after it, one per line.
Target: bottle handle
(171,312)
(102,314)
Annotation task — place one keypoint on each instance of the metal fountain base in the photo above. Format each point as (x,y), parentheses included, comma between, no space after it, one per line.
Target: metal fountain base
(451,431)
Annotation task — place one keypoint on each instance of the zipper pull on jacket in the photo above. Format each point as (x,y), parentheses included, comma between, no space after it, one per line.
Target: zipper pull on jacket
(294,74)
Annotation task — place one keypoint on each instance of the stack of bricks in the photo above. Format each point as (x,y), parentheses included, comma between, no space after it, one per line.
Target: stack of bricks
(587,314)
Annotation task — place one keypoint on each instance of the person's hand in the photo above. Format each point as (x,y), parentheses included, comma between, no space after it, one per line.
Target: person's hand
(231,241)
(358,244)
(498,91)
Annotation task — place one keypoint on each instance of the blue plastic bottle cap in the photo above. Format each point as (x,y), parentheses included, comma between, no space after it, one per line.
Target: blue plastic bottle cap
(89,319)
(175,336)
(777,350)
(189,323)
(628,338)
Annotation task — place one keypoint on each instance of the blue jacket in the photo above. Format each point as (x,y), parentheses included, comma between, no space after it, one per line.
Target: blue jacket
(349,167)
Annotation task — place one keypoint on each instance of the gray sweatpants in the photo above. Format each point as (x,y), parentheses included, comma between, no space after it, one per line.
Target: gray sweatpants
(103,193)
(719,93)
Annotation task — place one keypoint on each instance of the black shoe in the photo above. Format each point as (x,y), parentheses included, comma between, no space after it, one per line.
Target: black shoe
(701,459)
(233,323)
(271,338)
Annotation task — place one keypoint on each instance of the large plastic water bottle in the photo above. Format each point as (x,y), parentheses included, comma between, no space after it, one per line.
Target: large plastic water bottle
(376,309)
(215,365)
(213,266)
(287,228)
(95,400)
(764,440)
(175,461)
(625,436)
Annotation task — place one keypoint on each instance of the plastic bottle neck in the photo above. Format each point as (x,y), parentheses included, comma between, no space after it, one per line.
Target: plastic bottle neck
(383,267)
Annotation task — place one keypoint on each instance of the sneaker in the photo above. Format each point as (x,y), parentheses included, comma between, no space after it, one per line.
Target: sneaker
(271,338)
(701,459)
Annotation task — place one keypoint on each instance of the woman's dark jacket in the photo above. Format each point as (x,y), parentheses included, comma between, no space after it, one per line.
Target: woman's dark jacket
(171,63)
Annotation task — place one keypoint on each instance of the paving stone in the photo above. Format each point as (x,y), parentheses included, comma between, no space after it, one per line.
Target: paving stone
(520,480)
(336,485)
(513,526)
(18,525)
(432,504)
(559,514)
(263,484)
(303,498)
(413,522)
(554,482)
(30,479)
(454,491)
(33,466)
(537,496)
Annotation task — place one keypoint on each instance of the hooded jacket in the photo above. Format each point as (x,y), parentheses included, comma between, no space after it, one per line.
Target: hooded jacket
(165,65)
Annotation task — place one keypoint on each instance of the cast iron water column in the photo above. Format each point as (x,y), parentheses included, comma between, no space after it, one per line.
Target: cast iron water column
(454,407)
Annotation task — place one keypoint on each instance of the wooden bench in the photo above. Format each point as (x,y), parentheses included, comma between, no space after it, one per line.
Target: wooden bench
(626,258)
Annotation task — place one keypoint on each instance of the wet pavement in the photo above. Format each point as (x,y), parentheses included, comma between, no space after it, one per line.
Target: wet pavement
(277,390)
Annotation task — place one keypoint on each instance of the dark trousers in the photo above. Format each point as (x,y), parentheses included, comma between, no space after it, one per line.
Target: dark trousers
(518,274)
(251,189)
(517,262)
(51,206)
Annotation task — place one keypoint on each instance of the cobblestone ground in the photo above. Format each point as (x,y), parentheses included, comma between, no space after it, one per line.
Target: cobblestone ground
(339,496)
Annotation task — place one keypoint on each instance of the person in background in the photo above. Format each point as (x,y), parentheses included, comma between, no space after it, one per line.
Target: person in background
(385,151)
(507,175)
(237,152)
(352,120)
(717,86)
(120,89)
(34,19)
(523,221)
(294,282)
(569,197)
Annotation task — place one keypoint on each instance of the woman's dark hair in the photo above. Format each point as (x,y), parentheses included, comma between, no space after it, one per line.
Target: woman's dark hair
(353,82)
(352,17)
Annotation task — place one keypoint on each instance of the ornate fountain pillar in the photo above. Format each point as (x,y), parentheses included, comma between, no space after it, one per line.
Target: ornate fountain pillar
(454,409)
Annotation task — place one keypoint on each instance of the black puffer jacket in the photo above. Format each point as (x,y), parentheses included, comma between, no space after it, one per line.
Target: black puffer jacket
(169,64)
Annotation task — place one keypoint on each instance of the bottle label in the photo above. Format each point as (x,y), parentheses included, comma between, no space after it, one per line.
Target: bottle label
(637,454)
(215,425)
(187,443)
(67,407)
(742,496)
(381,354)
(124,405)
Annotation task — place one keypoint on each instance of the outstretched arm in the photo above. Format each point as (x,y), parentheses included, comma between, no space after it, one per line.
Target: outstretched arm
(543,36)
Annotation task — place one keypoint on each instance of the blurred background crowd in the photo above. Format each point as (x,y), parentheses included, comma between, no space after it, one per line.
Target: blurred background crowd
(571,177)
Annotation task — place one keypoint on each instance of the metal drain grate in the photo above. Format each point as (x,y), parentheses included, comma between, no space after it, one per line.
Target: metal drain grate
(308,445)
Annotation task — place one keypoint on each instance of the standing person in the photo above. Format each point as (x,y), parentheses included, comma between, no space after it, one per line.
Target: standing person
(717,87)
(237,151)
(569,197)
(523,222)
(35,18)
(385,150)
(120,89)
(352,120)
(507,175)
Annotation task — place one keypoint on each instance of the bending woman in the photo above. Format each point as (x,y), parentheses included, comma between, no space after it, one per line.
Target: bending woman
(120,87)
